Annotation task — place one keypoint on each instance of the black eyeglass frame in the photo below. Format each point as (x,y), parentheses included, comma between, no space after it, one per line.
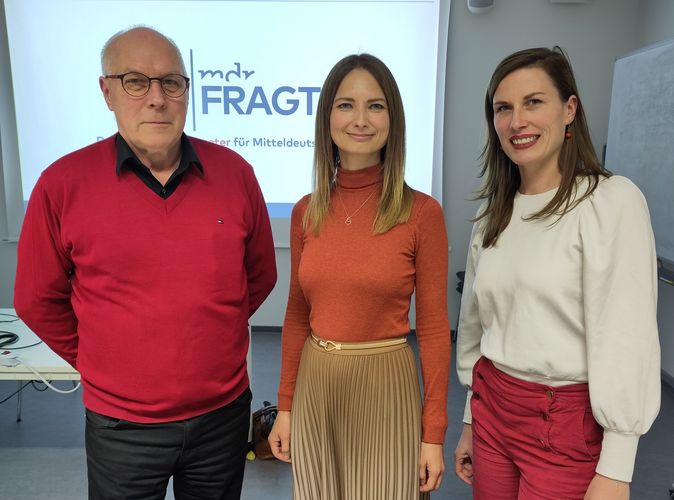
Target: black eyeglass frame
(160,79)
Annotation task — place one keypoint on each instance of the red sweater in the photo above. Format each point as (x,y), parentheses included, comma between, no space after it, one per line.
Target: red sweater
(350,285)
(148,298)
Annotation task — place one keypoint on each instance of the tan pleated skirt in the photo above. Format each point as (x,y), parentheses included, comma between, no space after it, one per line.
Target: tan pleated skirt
(356,425)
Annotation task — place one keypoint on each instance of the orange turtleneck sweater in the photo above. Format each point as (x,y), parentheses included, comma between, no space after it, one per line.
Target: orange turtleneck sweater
(350,285)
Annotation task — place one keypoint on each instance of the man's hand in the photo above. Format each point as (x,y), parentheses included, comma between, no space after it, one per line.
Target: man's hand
(604,488)
(463,455)
(279,437)
(431,466)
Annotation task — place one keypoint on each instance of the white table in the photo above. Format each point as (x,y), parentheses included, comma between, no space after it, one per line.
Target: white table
(50,365)
(31,350)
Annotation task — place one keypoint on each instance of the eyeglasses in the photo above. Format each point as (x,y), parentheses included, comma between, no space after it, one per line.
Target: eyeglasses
(138,84)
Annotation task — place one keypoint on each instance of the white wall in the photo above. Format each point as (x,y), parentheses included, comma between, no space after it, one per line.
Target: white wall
(7,271)
(272,310)
(593,34)
(656,23)
(10,181)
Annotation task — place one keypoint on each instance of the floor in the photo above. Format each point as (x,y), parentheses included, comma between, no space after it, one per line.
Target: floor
(42,457)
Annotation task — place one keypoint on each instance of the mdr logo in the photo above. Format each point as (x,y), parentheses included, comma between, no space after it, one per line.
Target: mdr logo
(235,94)
(250,96)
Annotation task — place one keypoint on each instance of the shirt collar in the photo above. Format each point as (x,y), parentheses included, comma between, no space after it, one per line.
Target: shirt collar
(126,158)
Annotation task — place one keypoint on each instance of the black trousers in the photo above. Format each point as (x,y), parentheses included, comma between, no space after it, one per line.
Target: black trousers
(205,455)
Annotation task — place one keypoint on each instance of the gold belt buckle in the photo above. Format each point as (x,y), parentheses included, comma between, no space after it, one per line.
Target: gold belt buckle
(329,345)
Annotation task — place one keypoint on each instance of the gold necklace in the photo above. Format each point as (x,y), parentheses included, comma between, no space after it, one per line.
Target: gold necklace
(348,220)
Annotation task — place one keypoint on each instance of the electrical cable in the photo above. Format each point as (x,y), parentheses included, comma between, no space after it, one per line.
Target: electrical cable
(7,338)
(30,382)
(16,392)
(15,348)
(45,382)
(42,387)
(13,316)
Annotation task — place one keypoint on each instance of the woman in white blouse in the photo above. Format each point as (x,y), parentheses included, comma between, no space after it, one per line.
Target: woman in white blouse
(558,341)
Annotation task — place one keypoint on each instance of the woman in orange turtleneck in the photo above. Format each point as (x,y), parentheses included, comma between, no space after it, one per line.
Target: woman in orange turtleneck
(350,410)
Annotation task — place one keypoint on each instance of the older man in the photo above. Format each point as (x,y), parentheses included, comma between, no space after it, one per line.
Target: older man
(140,261)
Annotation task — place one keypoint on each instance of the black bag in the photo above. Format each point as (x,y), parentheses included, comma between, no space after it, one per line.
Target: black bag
(263,420)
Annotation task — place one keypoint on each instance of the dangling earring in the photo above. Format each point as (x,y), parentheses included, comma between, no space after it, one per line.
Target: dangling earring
(568,133)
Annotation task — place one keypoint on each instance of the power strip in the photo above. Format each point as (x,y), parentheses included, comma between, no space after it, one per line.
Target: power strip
(9,359)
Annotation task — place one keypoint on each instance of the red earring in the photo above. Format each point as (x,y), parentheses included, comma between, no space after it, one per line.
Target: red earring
(568,133)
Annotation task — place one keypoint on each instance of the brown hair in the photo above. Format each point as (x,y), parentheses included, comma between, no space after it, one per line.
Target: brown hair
(577,157)
(396,199)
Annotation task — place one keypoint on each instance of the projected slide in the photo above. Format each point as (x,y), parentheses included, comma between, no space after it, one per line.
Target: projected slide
(256,70)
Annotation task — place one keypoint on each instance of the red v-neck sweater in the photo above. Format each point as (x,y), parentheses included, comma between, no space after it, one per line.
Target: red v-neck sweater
(148,298)
(349,285)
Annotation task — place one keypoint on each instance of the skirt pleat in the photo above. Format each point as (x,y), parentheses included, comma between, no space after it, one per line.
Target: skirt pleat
(356,425)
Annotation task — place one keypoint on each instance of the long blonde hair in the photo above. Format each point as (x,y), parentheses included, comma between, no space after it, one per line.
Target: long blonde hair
(395,203)
(577,157)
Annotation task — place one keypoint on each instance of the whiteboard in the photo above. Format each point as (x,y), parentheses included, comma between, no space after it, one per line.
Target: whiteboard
(640,142)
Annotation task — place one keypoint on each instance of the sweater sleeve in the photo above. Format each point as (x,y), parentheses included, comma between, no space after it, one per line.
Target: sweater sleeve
(469,331)
(42,289)
(432,324)
(260,259)
(296,326)
(619,302)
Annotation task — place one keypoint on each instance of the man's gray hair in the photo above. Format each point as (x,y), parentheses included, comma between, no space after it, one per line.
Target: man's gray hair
(105,52)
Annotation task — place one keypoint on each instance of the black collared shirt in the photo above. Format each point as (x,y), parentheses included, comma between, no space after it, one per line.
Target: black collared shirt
(126,158)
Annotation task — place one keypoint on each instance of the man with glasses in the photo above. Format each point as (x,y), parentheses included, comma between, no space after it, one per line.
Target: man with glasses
(140,261)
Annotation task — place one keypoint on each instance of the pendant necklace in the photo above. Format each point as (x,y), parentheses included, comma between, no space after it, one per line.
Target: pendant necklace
(348,220)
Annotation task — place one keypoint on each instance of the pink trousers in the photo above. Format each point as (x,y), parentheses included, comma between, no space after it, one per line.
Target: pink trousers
(531,441)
